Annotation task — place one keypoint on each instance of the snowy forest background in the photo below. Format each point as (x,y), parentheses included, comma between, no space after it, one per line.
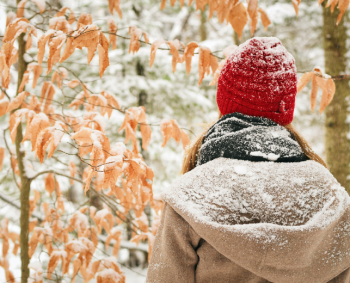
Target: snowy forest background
(166,94)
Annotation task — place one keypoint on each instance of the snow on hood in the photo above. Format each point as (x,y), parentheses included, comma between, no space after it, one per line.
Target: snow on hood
(286,222)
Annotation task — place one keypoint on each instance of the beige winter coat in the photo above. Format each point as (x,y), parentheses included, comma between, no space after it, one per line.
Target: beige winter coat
(240,221)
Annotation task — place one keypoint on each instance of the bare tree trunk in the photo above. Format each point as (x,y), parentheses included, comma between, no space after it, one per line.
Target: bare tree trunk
(336,142)
(203,28)
(25,182)
(236,38)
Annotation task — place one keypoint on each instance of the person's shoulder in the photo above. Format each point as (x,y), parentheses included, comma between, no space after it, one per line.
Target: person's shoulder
(236,191)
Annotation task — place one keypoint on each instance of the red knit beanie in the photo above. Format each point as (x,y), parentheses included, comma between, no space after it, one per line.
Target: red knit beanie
(259,79)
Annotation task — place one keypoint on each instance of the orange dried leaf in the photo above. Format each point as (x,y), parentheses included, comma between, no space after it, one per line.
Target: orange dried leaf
(41,44)
(20,8)
(50,183)
(37,71)
(328,89)
(253,14)
(17,101)
(112,27)
(264,18)
(238,18)
(25,80)
(146,135)
(305,78)
(15,28)
(189,52)
(154,47)
(203,62)
(166,128)
(15,119)
(39,123)
(296,6)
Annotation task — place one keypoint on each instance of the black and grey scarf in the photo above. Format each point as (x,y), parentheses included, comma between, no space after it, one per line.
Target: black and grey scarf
(244,137)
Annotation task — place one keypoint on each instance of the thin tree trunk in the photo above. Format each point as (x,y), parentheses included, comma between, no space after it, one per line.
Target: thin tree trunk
(337,144)
(25,182)
(203,28)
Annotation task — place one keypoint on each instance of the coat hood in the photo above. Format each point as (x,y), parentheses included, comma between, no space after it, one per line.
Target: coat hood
(285,222)
(251,138)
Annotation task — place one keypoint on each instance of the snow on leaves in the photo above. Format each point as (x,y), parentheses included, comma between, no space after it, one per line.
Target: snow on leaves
(318,80)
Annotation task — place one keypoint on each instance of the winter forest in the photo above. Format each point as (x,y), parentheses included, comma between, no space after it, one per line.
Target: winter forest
(99,99)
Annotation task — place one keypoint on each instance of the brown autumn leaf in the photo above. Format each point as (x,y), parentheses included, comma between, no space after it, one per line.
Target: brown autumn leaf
(39,123)
(154,47)
(84,20)
(4,102)
(109,274)
(162,4)
(174,50)
(112,170)
(343,5)
(15,119)
(325,82)
(73,83)
(47,93)
(20,8)
(111,102)
(17,101)
(296,6)
(264,18)
(103,53)
(176,131)
(306,77)
(166,128)
(134,39)
(146,133)
(41,44)
(113,29)
(55,45)
(24,81)
(253,14)
(115,5)
(50,183)
(104,218)
(115,235)
(37,71)
(188,54)
(238,18)
(203,62)
(328,90)
(15,28)
(55,257)
(50,136)
(32,31)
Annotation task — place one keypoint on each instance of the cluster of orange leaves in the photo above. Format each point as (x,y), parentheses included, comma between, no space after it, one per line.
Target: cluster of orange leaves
(78,252)
(318,80)
(233,11)
(237,14)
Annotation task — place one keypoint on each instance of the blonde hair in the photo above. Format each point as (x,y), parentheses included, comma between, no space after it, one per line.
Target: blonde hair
(191,153)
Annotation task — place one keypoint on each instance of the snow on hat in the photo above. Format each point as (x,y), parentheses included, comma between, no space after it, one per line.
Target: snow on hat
(259,79)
